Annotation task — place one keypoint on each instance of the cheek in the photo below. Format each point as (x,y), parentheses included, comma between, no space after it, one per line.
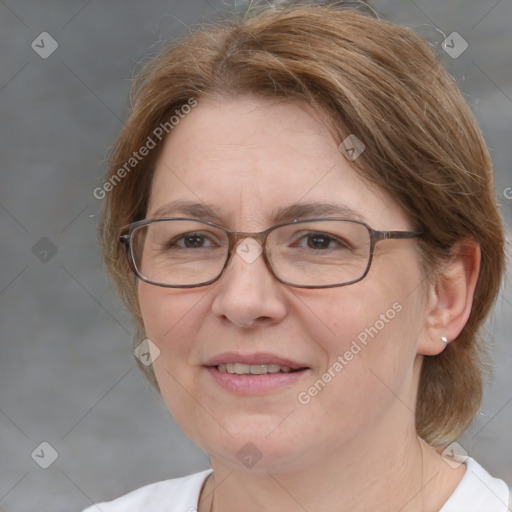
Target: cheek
(383,312)
(165,311)
(171,322)
(367,331)
(359,314)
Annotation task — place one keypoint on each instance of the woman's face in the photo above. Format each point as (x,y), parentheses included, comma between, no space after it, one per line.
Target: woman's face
(246,158)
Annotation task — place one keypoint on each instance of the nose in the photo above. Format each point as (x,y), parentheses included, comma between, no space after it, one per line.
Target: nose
(247,294)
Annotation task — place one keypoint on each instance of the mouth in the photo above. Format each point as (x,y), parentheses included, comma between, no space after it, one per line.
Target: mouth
(255,373)
(253,369)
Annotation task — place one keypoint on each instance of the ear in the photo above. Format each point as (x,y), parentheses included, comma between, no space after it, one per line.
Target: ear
(450,298)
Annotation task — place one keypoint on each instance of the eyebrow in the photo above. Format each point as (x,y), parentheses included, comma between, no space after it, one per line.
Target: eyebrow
(284,214)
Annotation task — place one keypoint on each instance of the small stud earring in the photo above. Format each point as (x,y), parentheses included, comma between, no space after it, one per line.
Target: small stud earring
(444,339)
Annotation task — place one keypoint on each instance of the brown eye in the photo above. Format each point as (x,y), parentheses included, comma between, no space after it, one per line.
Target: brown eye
(193,241)
(319,241)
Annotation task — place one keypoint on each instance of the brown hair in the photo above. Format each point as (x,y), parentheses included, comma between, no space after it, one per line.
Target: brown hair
(371,78)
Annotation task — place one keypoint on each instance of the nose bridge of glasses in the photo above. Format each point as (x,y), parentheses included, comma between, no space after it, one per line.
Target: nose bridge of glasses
(249,246)
(236,238)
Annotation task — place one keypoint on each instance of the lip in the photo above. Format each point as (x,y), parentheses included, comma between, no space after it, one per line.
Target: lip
(254,384)
(256,358)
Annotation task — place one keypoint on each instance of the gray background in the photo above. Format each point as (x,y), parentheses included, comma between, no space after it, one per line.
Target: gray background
(67,372)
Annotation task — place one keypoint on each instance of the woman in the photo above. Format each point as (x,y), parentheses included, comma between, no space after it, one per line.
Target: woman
(300,216)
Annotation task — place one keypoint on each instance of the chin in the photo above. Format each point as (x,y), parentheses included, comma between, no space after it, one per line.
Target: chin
(256,443)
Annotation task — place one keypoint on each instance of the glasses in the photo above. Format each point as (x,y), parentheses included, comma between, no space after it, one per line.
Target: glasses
(312,253)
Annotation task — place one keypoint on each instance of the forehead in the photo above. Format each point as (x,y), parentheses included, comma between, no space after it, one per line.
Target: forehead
(248,158)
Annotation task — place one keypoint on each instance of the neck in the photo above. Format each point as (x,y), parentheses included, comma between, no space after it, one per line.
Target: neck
(401,474)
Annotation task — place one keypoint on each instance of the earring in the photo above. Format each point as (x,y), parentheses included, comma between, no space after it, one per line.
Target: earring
(444,339)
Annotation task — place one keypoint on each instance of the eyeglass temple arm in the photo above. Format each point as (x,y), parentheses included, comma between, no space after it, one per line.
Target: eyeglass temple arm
(384,235)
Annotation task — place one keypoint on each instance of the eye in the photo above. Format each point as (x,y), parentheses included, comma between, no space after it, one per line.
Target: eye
(193,241)
(320,241)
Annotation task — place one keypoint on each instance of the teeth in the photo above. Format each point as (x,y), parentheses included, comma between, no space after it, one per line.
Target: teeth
(252,369)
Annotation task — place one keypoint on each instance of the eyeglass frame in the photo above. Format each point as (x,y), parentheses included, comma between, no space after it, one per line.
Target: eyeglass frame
(235,236)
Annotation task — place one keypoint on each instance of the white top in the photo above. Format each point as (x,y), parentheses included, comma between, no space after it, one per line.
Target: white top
(478,491)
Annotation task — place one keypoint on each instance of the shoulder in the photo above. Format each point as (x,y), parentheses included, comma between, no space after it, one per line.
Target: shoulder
(478,491)
(181,494)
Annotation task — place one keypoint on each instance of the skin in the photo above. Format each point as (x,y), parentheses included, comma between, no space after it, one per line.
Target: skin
(354,445)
